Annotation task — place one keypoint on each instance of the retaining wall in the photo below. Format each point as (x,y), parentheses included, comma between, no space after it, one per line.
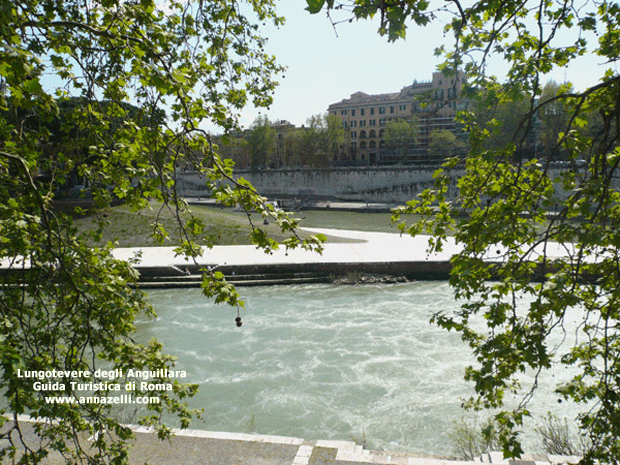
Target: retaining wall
(379,184)
(393,184)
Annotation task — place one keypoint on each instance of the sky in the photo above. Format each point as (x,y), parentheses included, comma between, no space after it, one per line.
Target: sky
(326,66)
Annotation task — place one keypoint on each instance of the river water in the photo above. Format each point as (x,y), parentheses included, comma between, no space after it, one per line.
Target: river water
(326,362)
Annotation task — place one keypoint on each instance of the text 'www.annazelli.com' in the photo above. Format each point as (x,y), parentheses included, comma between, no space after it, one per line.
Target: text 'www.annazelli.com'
(103,400)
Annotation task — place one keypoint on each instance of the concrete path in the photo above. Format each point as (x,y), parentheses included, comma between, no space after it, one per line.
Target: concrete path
(376,247)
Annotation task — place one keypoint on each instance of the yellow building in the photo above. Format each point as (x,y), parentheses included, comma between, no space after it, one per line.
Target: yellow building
(433,106)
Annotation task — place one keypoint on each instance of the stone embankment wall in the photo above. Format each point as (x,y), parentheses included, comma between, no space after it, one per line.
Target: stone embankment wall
(369,184)
(396,184)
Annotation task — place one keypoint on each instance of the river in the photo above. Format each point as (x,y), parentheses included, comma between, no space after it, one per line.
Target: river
(326,362)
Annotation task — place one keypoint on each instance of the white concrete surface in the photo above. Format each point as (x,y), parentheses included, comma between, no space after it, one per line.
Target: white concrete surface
(377,247)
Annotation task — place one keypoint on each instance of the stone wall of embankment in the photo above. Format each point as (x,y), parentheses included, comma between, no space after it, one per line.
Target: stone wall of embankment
(393,184)
(375,184)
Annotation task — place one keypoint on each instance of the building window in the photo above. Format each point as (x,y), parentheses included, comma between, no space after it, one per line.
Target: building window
(353,124)
(353,112)
(354,134)
(362,123)
(372,111)
(343,112)
(382,110)
(372,133)
(382,122)
(353,145)
(362,111)
(391,110)
(402,107)
(372,122)
(362,134)
(362,145)
(372,144)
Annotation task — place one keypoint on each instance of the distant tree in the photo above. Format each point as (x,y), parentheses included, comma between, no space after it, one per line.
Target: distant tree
(553,120)
(293,147)
(336,135)
(400,136)
(501,120)
(69,136)
(314,142)
(444,144)
(319,140)
(261,141)
(236,148)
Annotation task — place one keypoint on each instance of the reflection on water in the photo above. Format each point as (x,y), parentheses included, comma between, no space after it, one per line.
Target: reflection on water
(321,362)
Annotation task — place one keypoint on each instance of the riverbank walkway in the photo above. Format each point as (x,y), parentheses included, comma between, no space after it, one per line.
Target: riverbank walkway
(358,252)
(360,247)
(195,447)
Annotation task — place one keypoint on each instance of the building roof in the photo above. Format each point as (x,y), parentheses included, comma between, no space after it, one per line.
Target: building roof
(361,98)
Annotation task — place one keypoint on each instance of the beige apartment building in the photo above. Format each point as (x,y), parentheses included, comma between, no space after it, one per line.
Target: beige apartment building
(433,106)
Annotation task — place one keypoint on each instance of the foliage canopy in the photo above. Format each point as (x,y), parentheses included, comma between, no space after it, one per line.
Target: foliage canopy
(512,210)
(273,144)
(110,95)
(400,136)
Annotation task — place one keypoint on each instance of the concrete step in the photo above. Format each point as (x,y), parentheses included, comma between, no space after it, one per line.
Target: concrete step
(232,277)
(254,280)
(272,280)
(269,276)
(348,451)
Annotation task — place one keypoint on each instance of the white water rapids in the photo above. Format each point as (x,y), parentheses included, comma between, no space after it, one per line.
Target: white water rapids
(327,362)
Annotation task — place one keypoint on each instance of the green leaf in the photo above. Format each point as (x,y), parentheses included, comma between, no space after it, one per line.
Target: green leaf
(314,6)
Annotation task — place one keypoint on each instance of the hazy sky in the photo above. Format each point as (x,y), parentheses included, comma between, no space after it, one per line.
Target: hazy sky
(324,68)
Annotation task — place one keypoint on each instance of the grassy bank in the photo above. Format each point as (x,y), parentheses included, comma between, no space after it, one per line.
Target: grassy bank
(126,228)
